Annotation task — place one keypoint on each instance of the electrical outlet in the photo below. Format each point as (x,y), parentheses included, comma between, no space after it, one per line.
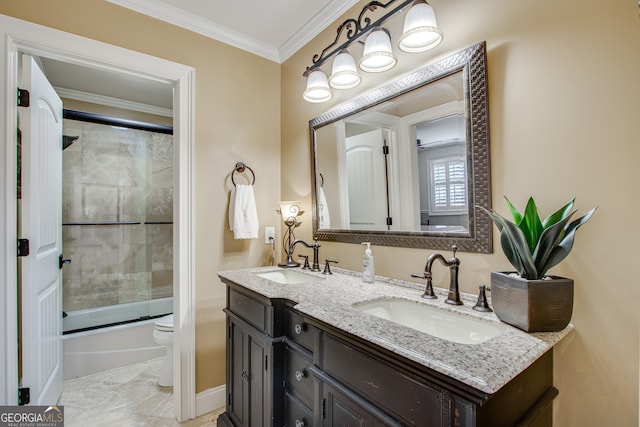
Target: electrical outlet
(269,235)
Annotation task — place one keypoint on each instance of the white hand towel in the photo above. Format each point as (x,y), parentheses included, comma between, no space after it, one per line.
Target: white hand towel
(243,215)
(323,210)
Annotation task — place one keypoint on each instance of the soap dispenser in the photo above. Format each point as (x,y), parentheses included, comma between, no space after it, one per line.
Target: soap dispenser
(368,274)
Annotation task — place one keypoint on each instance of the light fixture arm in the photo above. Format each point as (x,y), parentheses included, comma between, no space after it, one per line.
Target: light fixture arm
(355,28)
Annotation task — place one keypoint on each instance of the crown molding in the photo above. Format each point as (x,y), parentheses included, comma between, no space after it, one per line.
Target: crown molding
(112,102)
(314,27)
(197,24)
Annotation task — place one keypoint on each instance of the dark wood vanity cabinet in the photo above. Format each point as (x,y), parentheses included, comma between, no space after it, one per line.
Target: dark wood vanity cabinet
(254,355)
(284,369)
(250,374)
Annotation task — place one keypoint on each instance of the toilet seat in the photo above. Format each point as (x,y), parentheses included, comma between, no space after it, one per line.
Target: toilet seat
(164,324)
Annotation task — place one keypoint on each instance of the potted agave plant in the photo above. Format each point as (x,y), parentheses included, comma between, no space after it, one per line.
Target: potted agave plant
(529,298)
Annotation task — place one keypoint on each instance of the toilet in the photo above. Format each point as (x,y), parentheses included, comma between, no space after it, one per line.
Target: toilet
(163,335)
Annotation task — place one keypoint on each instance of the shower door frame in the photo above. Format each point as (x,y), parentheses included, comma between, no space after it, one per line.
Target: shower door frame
(25,37)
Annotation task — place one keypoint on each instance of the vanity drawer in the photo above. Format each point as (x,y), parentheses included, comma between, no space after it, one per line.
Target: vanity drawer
(249,309)
(296,377)
(295,413)
(415,402)
(300,331)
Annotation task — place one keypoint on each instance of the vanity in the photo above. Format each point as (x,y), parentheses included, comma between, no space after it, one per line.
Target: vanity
(307,349)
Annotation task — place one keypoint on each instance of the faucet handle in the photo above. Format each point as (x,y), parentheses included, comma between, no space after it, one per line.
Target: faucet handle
(327,268)
(428,290)
(482,304)
(306,262)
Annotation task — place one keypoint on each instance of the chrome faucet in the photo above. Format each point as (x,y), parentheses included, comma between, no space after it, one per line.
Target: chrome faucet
(315,265)
(453,263)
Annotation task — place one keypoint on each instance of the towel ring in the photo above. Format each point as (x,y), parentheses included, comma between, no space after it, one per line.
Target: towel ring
(240,167)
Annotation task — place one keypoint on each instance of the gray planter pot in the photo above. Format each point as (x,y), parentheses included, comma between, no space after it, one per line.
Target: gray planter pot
(532,305)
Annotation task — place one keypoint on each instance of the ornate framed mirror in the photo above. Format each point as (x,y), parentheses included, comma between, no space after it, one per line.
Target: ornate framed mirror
(407,164)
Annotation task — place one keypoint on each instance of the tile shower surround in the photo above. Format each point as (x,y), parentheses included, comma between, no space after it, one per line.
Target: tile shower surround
(113,174)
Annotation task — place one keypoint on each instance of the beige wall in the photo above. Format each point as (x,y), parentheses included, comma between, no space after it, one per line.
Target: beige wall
(564,106)
(564,100)
(232,87)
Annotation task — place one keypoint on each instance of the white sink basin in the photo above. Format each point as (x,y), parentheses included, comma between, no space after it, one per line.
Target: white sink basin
(288,277)
(433,321)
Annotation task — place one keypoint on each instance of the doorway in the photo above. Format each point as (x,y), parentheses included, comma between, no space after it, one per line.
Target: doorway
(24,37)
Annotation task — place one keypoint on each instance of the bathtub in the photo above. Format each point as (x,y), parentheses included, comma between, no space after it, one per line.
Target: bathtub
(98,350)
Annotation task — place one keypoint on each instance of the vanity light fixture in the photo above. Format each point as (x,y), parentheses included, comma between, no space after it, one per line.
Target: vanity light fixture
(420,33)
(344,74)
(317,87)
(378,56)
(290,212)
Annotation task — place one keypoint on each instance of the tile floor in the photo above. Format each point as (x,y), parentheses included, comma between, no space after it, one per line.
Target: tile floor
(124,397)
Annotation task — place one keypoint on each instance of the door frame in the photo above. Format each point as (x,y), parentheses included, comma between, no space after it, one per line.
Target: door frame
(22,36)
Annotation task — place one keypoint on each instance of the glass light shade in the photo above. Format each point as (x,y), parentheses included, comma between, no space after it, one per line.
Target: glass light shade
(377,55)
(290,211)
(344,74)
(317,87)
(421,31)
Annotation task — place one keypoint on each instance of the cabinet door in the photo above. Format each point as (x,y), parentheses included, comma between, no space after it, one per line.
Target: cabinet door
(296,413)
(237,405)
(257,377)
(341,411)
(413,401)
(296,377)
(299,331)
(248,373)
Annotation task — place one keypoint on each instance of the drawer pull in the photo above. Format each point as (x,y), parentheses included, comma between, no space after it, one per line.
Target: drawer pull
(299,423)
(299,376)
(298,328)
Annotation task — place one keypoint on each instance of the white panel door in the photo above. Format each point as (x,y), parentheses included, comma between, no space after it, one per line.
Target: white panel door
(366,177)
(41,223)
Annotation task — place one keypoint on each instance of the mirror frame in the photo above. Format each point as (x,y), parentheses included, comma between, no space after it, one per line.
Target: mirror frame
(472,62)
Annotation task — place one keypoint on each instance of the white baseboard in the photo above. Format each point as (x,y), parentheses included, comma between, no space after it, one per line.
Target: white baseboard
(211,399)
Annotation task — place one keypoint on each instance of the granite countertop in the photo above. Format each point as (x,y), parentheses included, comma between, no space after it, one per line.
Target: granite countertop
(485,366)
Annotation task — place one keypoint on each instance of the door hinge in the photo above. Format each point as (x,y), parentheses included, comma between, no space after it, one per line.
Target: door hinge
(266,362)
(385,149)
(389,221)
(62,261)
(23,98)
(23,247)
(24,396)
(324,409)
